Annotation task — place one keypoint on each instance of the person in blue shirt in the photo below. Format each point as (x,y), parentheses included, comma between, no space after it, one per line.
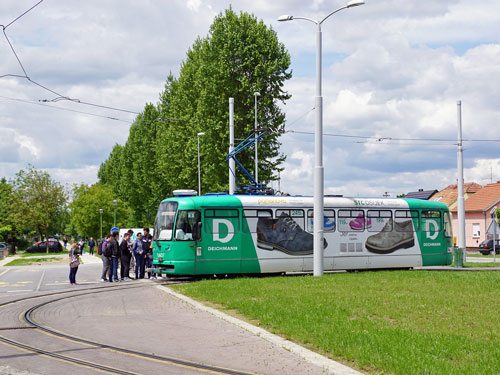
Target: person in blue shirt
(140,253)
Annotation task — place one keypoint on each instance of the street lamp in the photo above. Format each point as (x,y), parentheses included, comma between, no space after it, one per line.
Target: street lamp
(256,94)
(318,142)
(199,170)
(100,213)
(115,202)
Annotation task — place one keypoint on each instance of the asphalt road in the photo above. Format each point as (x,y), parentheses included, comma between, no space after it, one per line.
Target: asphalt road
(136,315)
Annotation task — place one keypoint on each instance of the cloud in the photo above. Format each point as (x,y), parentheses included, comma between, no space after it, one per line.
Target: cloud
(391,70)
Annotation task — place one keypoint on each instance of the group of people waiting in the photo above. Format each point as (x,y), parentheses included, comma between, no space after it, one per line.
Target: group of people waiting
(114,253)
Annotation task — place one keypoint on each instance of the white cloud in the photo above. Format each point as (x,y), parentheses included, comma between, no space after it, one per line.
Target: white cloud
(391,69)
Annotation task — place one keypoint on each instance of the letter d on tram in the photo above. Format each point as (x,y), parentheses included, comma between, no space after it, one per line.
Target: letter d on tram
(217,230)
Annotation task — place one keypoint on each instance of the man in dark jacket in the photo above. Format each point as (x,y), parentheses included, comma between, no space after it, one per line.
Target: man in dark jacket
(91,246)
(115,255)
(124,258)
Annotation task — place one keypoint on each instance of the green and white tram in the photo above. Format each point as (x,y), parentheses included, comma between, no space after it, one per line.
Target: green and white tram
(251,234)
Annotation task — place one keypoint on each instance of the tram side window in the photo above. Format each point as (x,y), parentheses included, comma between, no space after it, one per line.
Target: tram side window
(297,216)
(253,218)
(406,221)
(328,223)
(448,231)
(431,221)
(351,220)
(221,222)
(186,221)
(377,220)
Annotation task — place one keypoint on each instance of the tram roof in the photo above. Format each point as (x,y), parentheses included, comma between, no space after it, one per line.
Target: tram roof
(261,201)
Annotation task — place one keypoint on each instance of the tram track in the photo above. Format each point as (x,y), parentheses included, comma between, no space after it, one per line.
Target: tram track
(28,318)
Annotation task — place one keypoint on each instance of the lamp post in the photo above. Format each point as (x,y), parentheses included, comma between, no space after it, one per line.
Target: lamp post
(318,142)
(100,213)
(256,94)
(199,170)
(115,202)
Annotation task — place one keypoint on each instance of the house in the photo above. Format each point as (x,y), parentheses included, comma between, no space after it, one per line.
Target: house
(421,194)
(449,194)
(478,208)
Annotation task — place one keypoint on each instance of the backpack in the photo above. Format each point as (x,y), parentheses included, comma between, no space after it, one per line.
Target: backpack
(99,249)
(107,252)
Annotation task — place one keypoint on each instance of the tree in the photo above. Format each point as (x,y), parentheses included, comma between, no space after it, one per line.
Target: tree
(85,215)
(37,200)
(240,56)
(6,224)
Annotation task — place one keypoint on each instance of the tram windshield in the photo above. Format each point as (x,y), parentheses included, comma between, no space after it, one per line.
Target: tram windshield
(165,219)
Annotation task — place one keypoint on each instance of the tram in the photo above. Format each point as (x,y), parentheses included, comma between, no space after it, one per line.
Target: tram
(254,234)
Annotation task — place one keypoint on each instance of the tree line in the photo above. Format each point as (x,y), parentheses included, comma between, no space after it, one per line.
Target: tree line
(239,56)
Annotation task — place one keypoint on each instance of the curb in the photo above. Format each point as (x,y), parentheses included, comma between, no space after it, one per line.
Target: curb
(314,358)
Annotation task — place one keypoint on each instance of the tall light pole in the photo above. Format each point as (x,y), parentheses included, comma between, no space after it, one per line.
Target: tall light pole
(256,94)
(318,142)
(461,244)
(100,213)
(199,169)
(115,202)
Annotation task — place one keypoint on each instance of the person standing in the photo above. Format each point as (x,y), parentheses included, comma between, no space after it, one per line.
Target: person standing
(139,255)
(105,259)
(124,258)
(148,248)
(91,246)
(65,242)
(115,255)
(74,262)
(81,243)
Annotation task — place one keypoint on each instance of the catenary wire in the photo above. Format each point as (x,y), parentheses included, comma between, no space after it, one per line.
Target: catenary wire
(27,77)
(11,22)
(64,109)
(380,139)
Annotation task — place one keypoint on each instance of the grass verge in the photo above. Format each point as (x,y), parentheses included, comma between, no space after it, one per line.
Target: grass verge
(480,265)
(35,261)
(26,254)
(391,322)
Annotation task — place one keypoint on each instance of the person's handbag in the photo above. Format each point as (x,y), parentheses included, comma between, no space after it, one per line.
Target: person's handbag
(74,261)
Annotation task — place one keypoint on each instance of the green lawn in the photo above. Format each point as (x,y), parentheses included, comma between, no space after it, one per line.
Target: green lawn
(387,322)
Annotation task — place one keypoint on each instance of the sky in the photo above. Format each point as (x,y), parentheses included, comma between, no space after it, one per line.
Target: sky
(393,72)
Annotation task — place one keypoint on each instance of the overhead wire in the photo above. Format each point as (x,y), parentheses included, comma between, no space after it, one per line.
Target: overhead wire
(18,17)
(27,77)
(380,139)
(64,109)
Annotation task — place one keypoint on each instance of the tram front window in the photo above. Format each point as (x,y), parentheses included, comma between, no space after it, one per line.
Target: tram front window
(165,218)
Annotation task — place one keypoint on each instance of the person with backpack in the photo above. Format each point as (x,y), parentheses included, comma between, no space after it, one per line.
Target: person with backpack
(105,259)
(114,250)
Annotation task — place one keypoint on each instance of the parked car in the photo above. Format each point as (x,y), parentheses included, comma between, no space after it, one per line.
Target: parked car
(3,246)
(39,247)
(486,247)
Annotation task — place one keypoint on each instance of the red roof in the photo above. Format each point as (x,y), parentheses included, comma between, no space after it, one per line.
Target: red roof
(484,199)
(449,194)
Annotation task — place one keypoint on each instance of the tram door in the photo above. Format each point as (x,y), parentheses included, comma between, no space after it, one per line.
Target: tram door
(219,251)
